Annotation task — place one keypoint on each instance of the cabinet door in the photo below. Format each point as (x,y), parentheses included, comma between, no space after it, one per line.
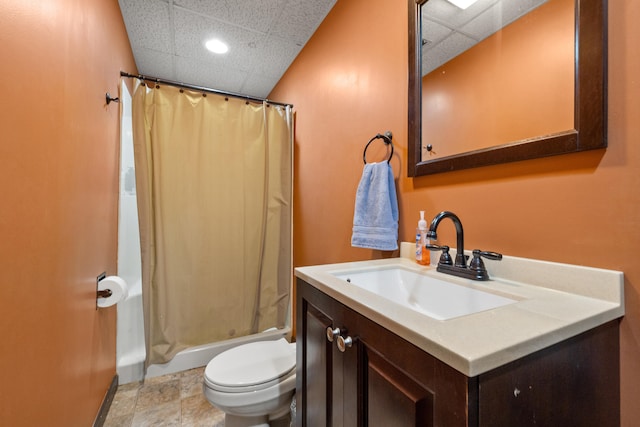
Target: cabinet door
(401,385)
(573,383)
(326,381)
(345,393)
(381,380)
(394,398)
(314,386)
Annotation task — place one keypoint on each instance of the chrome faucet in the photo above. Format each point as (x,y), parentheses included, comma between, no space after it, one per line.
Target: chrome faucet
(476,269)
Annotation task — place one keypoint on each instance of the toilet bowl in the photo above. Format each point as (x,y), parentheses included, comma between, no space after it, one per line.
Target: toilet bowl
(252,383)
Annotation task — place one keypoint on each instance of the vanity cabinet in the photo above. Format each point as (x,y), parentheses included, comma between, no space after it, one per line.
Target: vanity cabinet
(384,380)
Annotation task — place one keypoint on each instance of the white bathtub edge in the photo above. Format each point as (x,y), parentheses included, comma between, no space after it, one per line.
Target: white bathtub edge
(198,356)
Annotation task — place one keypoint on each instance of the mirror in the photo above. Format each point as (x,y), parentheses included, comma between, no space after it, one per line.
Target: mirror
(498,71)
(585,118)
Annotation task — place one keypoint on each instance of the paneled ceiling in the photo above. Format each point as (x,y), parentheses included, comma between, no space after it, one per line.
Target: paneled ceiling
(264,37)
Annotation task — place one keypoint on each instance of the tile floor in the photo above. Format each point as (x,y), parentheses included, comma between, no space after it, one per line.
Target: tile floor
(167,401)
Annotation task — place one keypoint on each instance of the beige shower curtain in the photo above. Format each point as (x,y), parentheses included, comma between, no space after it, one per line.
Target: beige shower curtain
(214,200)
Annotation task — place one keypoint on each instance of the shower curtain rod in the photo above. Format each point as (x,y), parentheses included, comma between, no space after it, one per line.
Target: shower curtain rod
(202,89)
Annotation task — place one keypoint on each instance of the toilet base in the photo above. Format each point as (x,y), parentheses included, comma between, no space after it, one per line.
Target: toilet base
(236,421)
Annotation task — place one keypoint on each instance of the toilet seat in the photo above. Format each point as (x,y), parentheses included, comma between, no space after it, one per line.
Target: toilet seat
(251,367)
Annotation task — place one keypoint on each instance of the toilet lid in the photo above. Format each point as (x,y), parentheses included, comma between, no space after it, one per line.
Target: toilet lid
(251,364)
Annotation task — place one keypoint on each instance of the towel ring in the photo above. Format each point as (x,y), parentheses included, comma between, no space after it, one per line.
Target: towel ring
(387,137)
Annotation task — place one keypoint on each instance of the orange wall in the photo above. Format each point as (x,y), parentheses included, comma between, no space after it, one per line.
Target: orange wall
(350,82)
(58,218)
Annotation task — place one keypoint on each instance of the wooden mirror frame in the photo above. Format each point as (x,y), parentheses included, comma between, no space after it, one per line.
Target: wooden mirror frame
(590,101)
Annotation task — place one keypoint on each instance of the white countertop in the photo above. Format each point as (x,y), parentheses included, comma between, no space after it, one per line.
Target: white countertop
(555,302)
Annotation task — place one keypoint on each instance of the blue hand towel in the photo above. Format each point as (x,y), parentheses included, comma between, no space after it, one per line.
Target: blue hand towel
(375,220)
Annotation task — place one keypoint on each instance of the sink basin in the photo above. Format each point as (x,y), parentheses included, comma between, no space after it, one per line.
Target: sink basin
(428,295)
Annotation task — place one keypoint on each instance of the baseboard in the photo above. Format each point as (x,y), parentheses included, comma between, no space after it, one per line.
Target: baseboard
(106,403)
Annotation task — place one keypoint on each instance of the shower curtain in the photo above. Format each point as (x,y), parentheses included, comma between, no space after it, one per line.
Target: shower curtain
(214,184)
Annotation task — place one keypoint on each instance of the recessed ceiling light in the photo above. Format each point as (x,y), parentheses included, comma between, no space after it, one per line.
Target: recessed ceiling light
(462,4)
(216,46)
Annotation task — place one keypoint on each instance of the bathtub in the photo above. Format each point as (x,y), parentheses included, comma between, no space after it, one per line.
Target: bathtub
(198,356)
(130,350)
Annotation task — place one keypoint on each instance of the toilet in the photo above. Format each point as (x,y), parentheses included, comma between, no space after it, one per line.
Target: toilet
(253,383)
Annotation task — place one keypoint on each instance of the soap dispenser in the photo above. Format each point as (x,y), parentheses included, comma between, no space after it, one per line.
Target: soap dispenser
(422,253)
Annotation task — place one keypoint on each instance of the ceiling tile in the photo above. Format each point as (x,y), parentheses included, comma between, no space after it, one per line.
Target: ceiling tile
(193,30)
(434,33)
(207,74)
(301,18)
(485,24)
(452,16)
(148,23)
(448,49)
(154,63)
(250,14)
(274,56)
(259,86)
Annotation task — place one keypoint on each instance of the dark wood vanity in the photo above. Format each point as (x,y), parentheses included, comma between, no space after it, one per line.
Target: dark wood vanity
(384,380)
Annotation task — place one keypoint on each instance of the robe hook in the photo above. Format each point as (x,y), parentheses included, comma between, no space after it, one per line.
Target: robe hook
(109,98)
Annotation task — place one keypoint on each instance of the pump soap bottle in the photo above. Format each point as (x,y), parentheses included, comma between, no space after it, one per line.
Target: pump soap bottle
(422,253)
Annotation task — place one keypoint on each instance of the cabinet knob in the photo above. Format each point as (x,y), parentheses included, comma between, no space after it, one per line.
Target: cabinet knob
(332,333)
(344,343)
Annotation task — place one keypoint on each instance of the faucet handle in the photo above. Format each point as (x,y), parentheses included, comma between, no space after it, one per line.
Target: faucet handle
(477,264)
(488,255)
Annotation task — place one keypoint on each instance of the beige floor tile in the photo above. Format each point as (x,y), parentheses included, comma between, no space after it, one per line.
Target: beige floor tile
(151,395)
(124,402)
(161,415)
(130,386)
(162,379)
(191,382)
(166,401)
(118,420)
(198,412)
